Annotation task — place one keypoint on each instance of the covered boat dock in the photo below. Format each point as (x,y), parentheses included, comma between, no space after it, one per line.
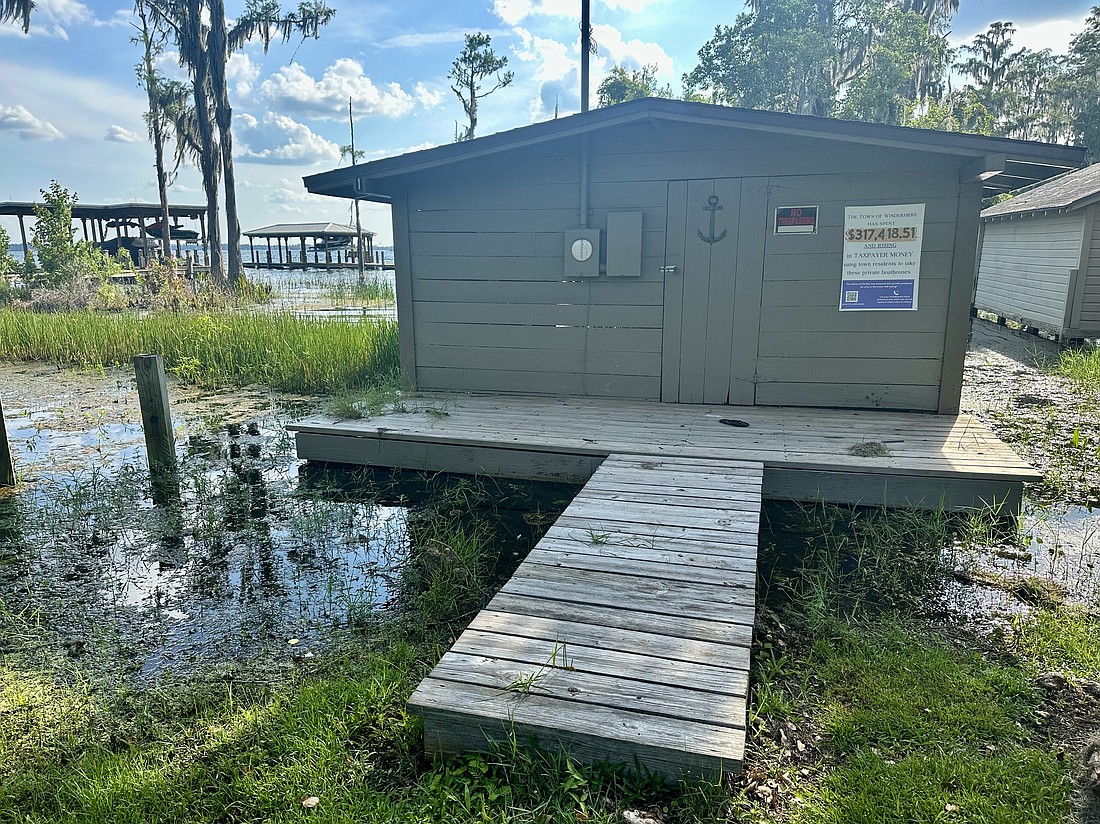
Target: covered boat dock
(333,246)
(96,221)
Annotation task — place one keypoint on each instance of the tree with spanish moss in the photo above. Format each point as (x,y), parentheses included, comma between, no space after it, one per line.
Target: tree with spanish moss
(205,41)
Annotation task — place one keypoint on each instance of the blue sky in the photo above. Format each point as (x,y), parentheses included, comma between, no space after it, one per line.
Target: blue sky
(70,108)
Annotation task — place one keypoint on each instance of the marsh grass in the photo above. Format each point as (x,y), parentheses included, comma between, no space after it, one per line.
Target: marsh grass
(372,292)
(1065,639)
(1081,365)
(216,349)
(913,724)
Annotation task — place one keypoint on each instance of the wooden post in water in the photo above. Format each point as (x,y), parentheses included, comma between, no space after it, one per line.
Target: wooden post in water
(156,417)
(7,468)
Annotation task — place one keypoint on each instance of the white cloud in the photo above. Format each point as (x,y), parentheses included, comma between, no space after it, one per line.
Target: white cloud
(241,70)
(119,134)
(281,139)
(120,17)
(428,38)
(26,126)
(428,98)
(552,58)
(632,6)
(54,18)
(555,70)
(513,12)
(296,200)
(1048,34)
(379,153)
(631,54)
(291,89)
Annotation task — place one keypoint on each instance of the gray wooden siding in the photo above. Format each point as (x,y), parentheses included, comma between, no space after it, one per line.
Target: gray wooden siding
(493,313)
(1090,304)
(812,354)
(1025,267)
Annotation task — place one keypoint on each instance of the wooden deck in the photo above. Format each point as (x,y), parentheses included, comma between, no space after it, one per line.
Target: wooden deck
(625,634)
(933,460)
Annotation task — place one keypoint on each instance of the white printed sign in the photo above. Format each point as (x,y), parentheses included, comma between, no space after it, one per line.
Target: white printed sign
(882,248)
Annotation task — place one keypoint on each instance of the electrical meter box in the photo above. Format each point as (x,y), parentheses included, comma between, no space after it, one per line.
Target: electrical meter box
(582,253)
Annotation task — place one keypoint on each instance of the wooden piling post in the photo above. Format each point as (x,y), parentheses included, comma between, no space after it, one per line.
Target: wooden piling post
(156,417)
(7,467)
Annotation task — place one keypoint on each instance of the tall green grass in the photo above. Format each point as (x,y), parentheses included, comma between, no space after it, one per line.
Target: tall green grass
(1082,366)
(280,350)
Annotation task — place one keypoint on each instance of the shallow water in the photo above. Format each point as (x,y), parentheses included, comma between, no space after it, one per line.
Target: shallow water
(254,557)
(323,293)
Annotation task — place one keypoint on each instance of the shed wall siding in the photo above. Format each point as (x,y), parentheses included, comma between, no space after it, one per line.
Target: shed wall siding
(1090,304)
(492,311)
(1025,267)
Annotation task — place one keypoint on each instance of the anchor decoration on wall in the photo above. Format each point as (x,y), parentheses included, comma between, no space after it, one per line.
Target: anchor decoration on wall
(712,207)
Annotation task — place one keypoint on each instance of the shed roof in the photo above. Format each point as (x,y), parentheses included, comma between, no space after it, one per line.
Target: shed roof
(1020,162)
(105,211)
(307,230)
(1073,190)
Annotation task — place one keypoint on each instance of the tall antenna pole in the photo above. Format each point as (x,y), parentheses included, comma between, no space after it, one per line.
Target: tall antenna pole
(358,224)
(586,49)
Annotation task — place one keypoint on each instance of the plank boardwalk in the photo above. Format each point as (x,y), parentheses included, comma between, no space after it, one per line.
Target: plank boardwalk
(625,634)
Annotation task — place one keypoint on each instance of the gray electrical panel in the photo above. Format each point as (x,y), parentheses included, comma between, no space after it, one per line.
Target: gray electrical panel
(624,244)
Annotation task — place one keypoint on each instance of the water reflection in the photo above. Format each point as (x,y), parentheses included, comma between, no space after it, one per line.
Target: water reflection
(256,555)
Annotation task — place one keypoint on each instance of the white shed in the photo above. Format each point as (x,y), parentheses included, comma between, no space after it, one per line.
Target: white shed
(1040,256)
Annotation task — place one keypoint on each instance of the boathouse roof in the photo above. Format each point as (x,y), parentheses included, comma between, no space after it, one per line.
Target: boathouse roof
(1003,164)
(109,211)
(307,230)
(1067,193)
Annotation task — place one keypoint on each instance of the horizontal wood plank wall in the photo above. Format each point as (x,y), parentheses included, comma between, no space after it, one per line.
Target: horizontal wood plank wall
(811,353)
(1090,304)
(1025,267)
(493,312)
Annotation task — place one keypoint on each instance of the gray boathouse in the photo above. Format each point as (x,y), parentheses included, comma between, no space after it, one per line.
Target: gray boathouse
(1040,256)
(661,249)
(573,274)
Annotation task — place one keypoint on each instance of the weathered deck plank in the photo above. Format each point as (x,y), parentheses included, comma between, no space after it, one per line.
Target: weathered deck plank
(933,460)
(613,645)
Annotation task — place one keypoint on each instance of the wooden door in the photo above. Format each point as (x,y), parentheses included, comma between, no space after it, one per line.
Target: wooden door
(703,243)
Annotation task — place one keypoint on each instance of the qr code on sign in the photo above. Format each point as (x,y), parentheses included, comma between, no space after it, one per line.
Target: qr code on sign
(851,297)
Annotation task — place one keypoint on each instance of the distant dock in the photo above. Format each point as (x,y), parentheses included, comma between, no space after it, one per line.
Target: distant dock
(330,246)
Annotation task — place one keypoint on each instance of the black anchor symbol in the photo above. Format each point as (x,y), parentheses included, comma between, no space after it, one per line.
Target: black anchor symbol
(712,208)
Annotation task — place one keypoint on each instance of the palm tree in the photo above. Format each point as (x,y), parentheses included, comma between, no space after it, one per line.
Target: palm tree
(205,44)
(12,11)
(155,119)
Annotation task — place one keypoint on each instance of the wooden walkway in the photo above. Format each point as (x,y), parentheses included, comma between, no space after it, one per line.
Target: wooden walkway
(931,460)
(625,634)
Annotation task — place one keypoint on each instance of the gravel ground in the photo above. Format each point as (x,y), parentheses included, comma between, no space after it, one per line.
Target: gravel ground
(1048,419)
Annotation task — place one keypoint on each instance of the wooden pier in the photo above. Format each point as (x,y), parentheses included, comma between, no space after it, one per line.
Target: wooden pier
(625,635)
